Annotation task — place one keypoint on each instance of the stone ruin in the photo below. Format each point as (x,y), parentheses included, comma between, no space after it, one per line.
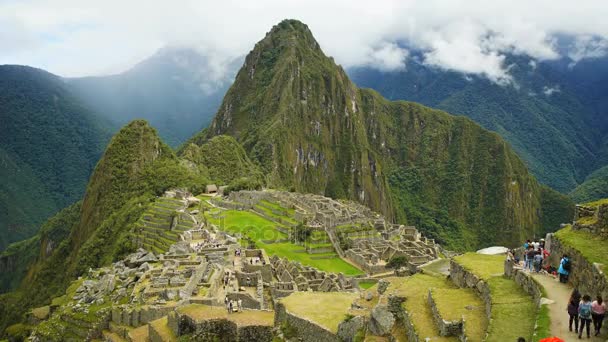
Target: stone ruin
(592,219)
(292,276)
(372,239)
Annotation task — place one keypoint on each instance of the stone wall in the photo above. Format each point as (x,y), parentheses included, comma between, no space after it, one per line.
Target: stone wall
(463,278)
(218,330)
(525,280)
(135,317)
(446,328)
(587,277)
(597,219)
(307,331)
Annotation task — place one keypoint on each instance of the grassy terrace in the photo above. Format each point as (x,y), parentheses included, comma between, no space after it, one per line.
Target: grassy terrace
(416,290)
(509,302)
(259,229)
(335,307)
(590,246)
(200,312)
(453,304)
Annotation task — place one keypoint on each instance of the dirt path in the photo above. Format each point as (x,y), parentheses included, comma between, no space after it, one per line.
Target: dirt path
(560,293)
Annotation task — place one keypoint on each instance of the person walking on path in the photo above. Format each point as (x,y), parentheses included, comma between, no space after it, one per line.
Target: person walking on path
(530,259)
(575,298)
(584,314)
(564,269)
(598,311)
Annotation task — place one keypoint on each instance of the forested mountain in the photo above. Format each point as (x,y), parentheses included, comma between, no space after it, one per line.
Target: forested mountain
(177,90)
(135,168)
(312,130)
(49,144)
(552,113)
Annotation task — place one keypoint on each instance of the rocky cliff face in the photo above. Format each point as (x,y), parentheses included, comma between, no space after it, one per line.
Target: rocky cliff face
(312,130)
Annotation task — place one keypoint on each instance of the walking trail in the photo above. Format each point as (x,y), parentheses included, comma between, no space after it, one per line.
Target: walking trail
(559,293)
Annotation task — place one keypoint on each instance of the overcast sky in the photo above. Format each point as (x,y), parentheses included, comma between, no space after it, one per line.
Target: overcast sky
(91,37)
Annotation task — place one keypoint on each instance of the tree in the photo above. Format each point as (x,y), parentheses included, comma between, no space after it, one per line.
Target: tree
(397,262)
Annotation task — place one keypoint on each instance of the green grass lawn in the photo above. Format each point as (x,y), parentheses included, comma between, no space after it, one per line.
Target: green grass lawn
(453,304)
(365,285)
(484,266)
(590,246)
(416,290)
(510,304)
(306,304)
(258,228)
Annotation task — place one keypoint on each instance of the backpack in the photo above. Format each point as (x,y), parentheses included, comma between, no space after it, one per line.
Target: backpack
(584,310)
(567,264)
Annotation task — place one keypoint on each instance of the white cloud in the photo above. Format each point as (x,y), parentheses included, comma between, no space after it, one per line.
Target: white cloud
(548,91)
(387,57)
(74,37)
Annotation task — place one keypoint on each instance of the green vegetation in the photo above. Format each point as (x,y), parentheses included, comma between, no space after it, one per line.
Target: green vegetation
(416,290)
(336,306)
(509,304)
(365,285)
(591,246)
(49,144)
(455,304)
(484,266)
(594,187)
(397,262)
(543,323)
(223,160)
(509,301)
(556,209)
(135,168)
(559,136)
(405,160)
(264,235)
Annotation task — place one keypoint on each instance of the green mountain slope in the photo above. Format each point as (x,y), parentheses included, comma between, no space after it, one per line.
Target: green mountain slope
(593,188)
(311,129)
(135,168)
(49,144)
(551,114)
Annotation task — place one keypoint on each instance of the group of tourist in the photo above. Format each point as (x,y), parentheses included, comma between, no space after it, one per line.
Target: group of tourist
(581,309)
(233,305)
(534,255)
(582,312)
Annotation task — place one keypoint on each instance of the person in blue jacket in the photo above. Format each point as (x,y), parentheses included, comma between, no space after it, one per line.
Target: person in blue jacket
(564,269)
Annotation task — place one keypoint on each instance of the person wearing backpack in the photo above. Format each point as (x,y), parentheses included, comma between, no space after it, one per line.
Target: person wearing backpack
(598,311)
(564,269)
(584,314)
(575,299)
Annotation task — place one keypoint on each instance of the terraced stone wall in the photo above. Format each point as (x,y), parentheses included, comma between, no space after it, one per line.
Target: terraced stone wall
(463,278)
(306,330)
(589,278)
(525,280)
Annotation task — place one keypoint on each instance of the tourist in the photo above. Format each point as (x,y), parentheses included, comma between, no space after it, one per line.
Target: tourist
(230,307)
(240,305)
(564,269)
(542,243)
(584,314)
(526,245)
(575,298)
(530,258)
(538,261)
(598,311)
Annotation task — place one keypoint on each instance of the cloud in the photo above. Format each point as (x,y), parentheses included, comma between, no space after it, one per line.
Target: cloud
(387,57)
(548,91)
(76,38)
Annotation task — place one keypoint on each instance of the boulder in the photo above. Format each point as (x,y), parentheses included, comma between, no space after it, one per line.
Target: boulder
(381,321)
(348,329)
(382,286)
